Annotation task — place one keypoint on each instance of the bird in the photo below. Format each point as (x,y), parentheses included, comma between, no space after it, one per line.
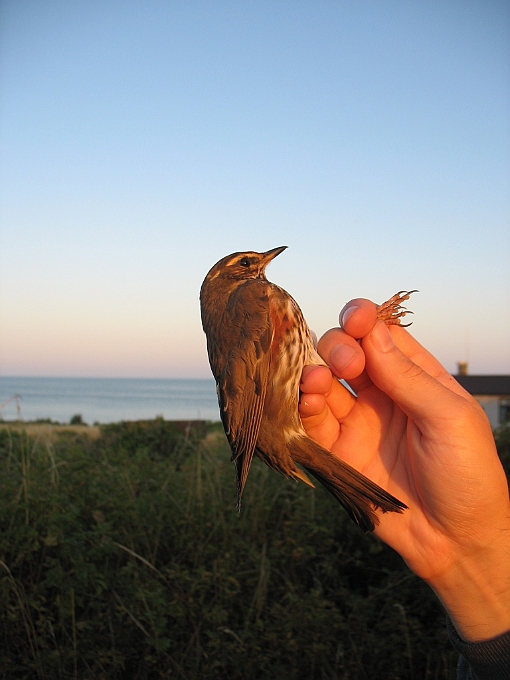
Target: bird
(258,343)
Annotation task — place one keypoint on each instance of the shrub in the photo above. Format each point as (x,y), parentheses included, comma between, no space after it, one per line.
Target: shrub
(125,558)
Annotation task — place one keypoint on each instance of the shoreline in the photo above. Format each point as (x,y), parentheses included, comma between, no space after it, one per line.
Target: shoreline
(39,428)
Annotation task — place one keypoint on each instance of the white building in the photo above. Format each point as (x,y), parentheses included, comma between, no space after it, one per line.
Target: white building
(492,392)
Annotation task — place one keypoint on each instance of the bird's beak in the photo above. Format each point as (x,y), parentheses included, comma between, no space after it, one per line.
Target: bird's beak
(271,254)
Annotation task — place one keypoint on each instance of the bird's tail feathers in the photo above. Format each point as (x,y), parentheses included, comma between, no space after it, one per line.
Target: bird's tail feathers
(355,492)
(242,463)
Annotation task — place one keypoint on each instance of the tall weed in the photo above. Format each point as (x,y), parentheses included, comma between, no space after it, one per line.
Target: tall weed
(125,558)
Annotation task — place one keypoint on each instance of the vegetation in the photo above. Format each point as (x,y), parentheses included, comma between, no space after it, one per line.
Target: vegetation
(124,557)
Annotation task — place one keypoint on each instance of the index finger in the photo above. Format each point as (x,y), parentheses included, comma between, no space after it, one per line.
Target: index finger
(359,316)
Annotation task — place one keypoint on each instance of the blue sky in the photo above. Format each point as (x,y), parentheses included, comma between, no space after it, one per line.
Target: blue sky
(142,141)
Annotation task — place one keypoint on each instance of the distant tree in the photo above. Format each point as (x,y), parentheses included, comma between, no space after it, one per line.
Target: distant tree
(77,420)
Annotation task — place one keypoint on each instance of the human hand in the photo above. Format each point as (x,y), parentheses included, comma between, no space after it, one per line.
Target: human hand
(417,433)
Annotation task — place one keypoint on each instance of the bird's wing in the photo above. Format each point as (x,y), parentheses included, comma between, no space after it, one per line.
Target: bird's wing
(241,368)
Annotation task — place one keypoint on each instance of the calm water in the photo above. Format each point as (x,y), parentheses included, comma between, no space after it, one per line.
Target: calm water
(107,400)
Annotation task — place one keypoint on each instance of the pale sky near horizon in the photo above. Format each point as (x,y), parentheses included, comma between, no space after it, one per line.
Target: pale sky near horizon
(142,141)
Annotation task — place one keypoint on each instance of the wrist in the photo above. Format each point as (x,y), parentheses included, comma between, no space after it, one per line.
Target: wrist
(475,591)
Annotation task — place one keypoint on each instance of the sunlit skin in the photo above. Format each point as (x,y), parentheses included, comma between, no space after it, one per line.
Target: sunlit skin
(417,433)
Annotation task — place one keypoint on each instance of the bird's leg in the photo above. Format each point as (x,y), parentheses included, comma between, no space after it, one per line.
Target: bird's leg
(392,310)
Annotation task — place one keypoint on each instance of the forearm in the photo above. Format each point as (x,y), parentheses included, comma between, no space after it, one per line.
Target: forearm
(475,591)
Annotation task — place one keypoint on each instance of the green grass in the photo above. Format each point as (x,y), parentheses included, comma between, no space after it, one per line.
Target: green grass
(124,557)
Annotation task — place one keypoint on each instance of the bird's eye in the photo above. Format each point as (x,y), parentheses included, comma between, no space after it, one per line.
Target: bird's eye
(244,262)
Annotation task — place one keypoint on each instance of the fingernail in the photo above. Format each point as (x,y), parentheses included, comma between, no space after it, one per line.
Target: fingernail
(381,337)
(341,356)
(347,314)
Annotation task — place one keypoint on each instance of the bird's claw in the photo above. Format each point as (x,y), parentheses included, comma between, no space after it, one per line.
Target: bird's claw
(392,310)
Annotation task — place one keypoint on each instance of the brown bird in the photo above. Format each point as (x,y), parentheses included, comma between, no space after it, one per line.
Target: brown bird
(258,342)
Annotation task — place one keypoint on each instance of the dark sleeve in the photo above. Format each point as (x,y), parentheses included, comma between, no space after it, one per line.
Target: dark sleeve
(489,660)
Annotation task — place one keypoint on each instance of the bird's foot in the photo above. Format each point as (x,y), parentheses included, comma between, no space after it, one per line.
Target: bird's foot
(392,310)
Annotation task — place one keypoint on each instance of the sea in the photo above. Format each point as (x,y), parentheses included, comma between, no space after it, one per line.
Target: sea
(107,400)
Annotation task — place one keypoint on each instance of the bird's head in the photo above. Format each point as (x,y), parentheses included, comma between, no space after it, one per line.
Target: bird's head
(242,266)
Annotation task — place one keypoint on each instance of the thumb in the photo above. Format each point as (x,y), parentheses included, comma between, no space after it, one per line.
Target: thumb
(417,393)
